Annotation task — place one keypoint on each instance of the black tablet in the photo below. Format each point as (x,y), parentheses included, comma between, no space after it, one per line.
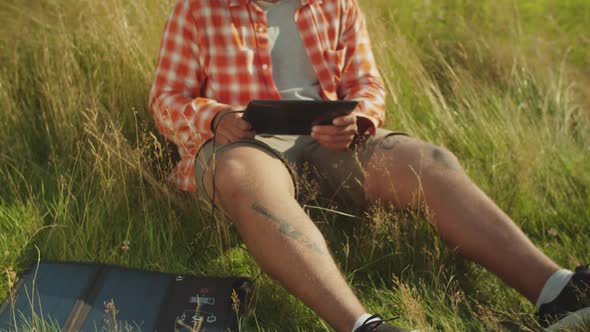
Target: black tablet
(294,117)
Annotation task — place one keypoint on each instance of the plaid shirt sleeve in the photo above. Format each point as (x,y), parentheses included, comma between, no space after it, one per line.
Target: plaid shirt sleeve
(180,116)
(361,80)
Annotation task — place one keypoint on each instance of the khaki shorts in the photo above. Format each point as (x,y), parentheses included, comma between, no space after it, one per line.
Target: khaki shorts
(320,175)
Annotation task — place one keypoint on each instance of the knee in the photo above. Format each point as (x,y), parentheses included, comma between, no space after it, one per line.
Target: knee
(415,156)
(240,172)
(400,163)
(442,158)
(432,159)
(230,176)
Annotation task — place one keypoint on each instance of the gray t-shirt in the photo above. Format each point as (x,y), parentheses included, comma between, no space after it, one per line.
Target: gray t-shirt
(292,71)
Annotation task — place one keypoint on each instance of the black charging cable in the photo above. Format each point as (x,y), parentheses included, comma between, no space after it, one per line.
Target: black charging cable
(213,157)
(213,161)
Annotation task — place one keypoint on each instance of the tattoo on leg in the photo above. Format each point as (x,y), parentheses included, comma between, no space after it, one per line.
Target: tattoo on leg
(288,230)
(390,142)
(445,159)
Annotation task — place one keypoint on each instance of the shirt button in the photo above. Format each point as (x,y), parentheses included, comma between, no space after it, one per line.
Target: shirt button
(260,29)
(265,66)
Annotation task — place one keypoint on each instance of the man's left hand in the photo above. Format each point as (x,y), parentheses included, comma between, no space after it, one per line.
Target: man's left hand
(337,136)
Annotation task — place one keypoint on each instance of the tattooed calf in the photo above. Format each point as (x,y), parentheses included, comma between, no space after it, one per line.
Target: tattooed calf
(288,230)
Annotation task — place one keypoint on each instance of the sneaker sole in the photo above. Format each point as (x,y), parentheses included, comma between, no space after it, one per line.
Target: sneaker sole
(572,320)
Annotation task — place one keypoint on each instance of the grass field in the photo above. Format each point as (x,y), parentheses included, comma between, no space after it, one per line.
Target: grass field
(504,84)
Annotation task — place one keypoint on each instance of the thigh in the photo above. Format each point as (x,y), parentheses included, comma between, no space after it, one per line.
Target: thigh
(398,166)
(340,175)
(240,162)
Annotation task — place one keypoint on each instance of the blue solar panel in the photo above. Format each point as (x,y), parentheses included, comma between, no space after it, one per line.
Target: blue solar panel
(48,292)
(77,296)
(136,295)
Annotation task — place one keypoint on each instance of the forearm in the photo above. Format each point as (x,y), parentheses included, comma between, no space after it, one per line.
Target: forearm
(371,108)
(182,119)
(177,104)
(361,80)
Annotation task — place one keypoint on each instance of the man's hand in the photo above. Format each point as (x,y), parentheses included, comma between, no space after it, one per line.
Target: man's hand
(229,127)
(337,136)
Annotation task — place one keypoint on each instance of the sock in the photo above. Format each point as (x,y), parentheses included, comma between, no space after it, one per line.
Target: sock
(362,319)
(553,286)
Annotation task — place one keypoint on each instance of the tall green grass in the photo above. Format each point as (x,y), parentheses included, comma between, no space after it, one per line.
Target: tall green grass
(504,84)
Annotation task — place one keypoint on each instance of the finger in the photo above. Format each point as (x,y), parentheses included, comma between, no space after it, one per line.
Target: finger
(247,134)
(334,130)
(349,130)
(334,138)
(335,146)
(324,130)
(343,121)
(235,133)
(242,124)
(220,138)
(238,133)
(234,130)
(230,135)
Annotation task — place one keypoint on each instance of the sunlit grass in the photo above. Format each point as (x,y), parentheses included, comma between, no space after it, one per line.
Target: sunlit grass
(503,84)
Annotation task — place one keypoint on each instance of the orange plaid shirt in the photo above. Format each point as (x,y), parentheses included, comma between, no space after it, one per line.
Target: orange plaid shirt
(215,53)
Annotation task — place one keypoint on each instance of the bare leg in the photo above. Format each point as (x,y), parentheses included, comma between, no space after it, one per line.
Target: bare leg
(256,191)
(404,170)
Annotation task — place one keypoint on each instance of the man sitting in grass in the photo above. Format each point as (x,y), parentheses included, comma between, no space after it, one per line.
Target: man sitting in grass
(216,56)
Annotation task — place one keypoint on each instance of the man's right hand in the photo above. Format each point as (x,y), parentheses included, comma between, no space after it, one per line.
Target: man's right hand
(229,127)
